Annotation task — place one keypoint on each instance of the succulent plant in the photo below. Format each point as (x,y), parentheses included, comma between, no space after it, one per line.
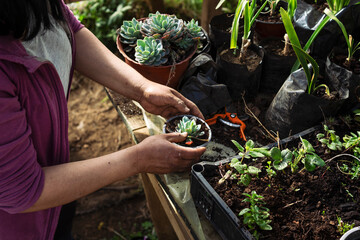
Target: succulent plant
(176,37)
(150,51)
(189,126)
(130,32)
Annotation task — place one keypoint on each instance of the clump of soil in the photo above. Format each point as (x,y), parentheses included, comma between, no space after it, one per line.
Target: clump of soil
(252,59)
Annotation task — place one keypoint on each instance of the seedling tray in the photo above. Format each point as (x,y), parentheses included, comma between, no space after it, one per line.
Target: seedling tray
(212,206)
(207,200)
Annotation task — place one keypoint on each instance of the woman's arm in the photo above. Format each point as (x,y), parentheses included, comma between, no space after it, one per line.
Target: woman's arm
(95,61)
(67,182)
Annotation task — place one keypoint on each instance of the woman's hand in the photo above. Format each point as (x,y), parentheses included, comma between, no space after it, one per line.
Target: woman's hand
(157,154)
(162,100)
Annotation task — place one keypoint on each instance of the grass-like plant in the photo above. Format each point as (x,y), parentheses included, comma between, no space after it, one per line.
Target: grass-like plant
(303,57)
(336,5)
(351,46)
(249,14)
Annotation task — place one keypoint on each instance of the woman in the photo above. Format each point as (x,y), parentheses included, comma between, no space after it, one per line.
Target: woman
(41,43)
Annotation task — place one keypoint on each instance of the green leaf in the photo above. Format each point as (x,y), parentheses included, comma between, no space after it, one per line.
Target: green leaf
(253,170)
(241,149)
(275,153)
(307,145)
(312,161)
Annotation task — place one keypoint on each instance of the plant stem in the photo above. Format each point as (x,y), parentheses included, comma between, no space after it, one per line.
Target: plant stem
(287,45)
(245,43)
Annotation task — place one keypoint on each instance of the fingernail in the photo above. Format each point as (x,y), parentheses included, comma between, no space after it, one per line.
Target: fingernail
(187,109)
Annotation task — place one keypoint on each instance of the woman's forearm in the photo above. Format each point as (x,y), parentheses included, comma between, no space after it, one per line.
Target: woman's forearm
(67,182)
(95,61)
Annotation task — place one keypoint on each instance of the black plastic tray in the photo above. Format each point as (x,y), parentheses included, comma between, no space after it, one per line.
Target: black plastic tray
(212,206)
(206,199)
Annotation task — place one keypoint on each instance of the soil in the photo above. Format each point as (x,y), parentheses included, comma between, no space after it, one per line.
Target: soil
(304,205)
(252,59)
(276,47)
(353,65)
(95,129)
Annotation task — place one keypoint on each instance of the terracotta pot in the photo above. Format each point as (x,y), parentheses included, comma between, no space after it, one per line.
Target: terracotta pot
(158,74)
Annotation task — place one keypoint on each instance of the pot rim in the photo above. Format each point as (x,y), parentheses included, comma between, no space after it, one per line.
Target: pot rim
(190,115)
(350,232)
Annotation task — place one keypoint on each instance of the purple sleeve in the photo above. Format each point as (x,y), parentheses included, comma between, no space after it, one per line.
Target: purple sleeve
(74,23)
(21,177)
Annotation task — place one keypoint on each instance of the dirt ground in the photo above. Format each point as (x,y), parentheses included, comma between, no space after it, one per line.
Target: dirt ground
(117,211)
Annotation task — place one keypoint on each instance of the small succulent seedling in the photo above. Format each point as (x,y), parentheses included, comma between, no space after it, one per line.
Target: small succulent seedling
(150,51)
(255,214)
(189,126)
(330,139)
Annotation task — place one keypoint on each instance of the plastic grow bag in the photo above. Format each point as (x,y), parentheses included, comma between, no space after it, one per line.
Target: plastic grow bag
(347,82)
(199,85)
(307,19)
(294,110)
(238,78)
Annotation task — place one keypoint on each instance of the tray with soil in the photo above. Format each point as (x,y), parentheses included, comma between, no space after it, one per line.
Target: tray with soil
(298,201)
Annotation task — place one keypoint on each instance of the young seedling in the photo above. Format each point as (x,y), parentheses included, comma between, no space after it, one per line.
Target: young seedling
(192,129)
(306,154)
(330,139)
(303,56)
(247,11)
(244,172)
(255,215)
(336,5)
(353,170)
(343,227)
(351,46)
(351,142)
(291,8)
(250,151)
(271,172)
(281,159)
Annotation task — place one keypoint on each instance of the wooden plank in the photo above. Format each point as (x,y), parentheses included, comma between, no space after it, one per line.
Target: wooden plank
(164,230)
(178,224)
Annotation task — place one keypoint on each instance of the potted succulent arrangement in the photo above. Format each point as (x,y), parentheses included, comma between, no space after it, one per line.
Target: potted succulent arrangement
(198,131)
(159,46)
(240,70)
(274,193)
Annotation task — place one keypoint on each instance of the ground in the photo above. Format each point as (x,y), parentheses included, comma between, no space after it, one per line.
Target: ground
(95,129)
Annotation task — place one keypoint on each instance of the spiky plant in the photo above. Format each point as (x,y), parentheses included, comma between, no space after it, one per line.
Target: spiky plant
(176,36)
(150,51)
(189,126)
(130,33)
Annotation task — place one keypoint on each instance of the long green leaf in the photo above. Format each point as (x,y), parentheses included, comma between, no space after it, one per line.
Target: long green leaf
(343,29)
(257,13)
(235,24)
(313,79)
(311,40)
(295,42)
(219,4)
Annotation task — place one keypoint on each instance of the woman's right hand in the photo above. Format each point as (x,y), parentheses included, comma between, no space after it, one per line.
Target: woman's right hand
(157,154)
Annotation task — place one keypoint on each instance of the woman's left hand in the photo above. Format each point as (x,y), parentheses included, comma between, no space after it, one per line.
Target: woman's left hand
(162,100)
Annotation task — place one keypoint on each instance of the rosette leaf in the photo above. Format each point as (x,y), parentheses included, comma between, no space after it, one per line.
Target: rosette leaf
(150,51)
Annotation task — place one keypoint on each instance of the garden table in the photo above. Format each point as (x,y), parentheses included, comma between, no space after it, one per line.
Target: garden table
(172,211)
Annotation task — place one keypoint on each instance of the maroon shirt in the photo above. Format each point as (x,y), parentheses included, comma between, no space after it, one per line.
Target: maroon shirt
(33,134)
